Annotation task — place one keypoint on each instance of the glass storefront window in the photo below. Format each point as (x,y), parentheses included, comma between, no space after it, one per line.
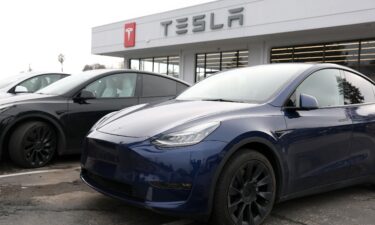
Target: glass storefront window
(134,64)
(167,65)
(146,65)
(211,63)
(174,66)
(161,65)
(367,59)
(359,55)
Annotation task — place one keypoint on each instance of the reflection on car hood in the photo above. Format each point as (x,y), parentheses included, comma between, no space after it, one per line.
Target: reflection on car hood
(5,95)
(155,119)
(6,98)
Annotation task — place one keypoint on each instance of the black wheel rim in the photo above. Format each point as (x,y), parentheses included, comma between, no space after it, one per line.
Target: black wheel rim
(251,194)
(39,145)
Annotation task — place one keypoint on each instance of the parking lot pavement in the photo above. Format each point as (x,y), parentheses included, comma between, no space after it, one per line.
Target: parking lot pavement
(55,195)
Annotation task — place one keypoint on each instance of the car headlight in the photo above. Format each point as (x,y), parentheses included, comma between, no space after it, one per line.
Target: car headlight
(189,136)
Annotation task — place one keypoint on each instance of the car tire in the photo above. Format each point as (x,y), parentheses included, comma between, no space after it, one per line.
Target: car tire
(32,144)
(246,189)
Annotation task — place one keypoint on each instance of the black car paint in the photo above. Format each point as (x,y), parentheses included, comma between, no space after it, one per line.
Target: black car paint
(70,116)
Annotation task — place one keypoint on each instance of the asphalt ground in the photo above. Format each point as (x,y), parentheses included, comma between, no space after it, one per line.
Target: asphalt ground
(55,195)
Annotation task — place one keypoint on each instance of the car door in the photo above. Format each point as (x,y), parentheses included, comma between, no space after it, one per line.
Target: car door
(360,100)
(108,94)
(318,140)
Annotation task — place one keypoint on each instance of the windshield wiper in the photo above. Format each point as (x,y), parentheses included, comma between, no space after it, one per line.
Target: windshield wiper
(221,100)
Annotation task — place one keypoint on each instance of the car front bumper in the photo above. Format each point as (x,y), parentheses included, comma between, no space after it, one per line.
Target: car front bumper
(174,181)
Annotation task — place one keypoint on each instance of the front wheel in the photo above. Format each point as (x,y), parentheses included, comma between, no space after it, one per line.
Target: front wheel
(246,190)
(33,144)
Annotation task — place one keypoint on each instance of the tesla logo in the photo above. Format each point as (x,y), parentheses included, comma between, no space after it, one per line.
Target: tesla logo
(129,35)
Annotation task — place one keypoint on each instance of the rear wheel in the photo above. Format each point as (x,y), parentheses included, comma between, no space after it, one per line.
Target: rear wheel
(245,193)
(33,144)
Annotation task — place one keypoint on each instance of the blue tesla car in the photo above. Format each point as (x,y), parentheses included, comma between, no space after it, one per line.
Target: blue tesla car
(232,145)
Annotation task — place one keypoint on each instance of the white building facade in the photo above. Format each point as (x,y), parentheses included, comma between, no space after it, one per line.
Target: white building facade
(193,43)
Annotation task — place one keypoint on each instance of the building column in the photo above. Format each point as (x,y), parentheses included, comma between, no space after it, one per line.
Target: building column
(258,53)
(126,63)
(187,66)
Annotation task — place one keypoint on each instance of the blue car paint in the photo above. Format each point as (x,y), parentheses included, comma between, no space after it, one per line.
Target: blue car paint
(311,148)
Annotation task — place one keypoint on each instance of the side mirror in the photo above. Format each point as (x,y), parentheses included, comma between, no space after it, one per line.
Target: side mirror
(20,89)
(308,102)
(86,95)
(83,96)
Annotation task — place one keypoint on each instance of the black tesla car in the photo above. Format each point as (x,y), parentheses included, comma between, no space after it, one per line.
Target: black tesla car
(55,120)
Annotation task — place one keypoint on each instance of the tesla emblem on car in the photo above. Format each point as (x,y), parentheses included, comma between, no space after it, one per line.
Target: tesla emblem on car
(130,35)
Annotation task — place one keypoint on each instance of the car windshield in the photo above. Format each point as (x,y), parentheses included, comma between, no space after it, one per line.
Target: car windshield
(67,84)
(253,84)
(13,79)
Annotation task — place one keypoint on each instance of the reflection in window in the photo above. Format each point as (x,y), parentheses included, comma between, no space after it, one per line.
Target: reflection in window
(359,55)
(357,89)
(168,65)
(211,63)
(330,88)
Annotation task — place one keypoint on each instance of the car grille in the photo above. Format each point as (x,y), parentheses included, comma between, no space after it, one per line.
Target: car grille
(111,185)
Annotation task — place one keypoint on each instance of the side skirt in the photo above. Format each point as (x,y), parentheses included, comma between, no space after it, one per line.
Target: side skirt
(326,188)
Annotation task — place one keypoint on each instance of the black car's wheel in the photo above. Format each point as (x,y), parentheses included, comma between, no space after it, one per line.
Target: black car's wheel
(32,144)
(246,190)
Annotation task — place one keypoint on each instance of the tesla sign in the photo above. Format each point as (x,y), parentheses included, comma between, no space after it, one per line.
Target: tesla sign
(199,23)
(129,35)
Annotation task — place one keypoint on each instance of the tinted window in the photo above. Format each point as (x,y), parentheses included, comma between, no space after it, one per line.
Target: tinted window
(181,88)
(155,86)
(357,89)
(325,85)
(114,86)
(36,83)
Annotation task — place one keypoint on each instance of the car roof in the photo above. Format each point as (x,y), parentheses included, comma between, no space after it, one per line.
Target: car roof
(100,72)
(37,73)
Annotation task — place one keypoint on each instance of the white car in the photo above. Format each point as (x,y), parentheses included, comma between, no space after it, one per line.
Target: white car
(28,82)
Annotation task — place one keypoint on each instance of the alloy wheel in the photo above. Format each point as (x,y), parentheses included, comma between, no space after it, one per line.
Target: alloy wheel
(39,145)
(250,194)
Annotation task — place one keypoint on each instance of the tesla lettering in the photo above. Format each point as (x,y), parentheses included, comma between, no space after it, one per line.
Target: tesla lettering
(199,22)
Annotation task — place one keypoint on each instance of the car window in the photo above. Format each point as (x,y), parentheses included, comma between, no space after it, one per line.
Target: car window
(114,86)
(325,85)
(181,88)
(36,83)
(155,86)
(357,89)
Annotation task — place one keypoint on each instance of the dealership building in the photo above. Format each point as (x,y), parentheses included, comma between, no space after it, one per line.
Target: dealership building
(194,42)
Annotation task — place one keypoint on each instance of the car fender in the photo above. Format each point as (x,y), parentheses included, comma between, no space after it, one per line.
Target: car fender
(235,145)
(34,116)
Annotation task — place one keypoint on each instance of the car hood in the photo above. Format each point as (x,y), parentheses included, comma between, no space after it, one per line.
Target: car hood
(151,120)
(5,94)
(7,99)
